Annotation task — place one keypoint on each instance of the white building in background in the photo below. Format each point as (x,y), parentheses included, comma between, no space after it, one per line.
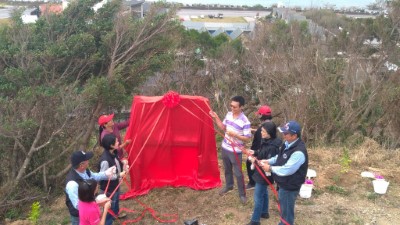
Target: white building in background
(29,18)
(65,4)
(136,7)
(232,30)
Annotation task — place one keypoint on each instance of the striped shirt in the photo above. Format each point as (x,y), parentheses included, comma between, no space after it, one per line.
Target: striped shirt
(241,126)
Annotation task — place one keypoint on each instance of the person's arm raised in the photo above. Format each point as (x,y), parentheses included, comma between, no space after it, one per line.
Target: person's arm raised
(217,120)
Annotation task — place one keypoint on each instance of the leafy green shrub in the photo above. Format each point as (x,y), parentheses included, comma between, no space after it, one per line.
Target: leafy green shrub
(337,189)
(372,196)
(345,161)
(13,213)
(34,214)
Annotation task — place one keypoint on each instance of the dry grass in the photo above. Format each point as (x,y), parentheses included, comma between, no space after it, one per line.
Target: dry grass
(338,198)
(218,20)
(4,22)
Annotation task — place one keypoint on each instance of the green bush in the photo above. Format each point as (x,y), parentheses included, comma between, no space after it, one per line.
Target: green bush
(13,213)
(34,214)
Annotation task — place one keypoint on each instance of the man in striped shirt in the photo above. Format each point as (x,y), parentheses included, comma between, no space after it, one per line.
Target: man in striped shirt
(237,132)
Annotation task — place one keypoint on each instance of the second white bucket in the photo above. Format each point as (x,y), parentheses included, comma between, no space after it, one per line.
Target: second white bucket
(380,186)
(305,190)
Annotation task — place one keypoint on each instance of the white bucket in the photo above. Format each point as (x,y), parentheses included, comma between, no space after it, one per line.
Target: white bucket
(380,186)
(305,190)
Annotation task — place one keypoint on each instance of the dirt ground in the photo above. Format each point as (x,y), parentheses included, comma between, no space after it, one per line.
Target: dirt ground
(338,197)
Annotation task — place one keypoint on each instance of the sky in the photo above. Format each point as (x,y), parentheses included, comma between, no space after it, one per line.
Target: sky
(287,3)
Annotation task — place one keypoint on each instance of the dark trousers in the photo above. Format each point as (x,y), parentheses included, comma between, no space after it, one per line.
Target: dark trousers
(250,172)
(233,168)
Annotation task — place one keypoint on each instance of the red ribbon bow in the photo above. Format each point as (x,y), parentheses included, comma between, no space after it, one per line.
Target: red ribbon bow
(171,99)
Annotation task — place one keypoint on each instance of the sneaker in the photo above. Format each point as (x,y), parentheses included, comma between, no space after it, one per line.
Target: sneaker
(243,199)
(253,223)
(225,190)
(121,215)
(265,215)
(249,187)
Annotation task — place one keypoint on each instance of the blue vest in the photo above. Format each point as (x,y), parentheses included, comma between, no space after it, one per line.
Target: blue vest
(107,156)
(73,176)
(294,181)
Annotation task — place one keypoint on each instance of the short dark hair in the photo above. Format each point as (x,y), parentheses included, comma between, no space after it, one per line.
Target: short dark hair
(239,99)
(108,140)
(86,190)
(270,127)
(265,117)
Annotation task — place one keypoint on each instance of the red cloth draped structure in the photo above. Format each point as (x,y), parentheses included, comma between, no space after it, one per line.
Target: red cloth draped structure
(173,144)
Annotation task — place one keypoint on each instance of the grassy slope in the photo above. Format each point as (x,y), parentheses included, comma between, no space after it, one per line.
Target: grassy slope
(338,197)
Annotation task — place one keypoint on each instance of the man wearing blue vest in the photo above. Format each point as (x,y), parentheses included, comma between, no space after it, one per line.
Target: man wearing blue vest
(80,172)
(289,169)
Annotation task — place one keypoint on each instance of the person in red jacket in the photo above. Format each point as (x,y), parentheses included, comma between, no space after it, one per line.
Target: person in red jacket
(108,126)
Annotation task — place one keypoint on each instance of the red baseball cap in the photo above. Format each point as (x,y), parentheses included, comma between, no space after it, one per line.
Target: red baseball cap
(103,119)
(264,110)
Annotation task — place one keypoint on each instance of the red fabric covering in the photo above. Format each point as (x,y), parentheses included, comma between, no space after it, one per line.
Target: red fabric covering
(173,144)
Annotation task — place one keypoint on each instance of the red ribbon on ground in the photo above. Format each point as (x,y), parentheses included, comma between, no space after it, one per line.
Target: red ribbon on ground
(240,166)
(171,100)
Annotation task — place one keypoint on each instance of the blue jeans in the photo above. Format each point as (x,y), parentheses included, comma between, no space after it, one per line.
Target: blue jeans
(287,199)
(261,201)
(114,207)
(74,220)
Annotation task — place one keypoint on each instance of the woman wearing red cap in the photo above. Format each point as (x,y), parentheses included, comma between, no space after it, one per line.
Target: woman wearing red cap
(264,113)
(107,126)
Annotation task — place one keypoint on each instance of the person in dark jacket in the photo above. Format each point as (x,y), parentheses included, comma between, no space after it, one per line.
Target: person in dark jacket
(78,173)
(269,148)
(289,169)
(108,159)
(264,114)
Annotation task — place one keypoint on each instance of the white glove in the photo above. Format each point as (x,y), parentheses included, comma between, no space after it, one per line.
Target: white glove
(125,165)
(110,171)
(101,198)
(126,168)
(252,166)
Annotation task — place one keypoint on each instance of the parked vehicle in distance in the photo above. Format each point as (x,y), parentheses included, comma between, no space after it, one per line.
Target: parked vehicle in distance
(219,15)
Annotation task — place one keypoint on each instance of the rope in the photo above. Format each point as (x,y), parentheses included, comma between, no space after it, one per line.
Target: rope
(147,209)
(175,216)
(234,144)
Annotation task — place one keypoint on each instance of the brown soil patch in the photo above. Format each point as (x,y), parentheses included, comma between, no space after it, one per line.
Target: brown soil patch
(338,198)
